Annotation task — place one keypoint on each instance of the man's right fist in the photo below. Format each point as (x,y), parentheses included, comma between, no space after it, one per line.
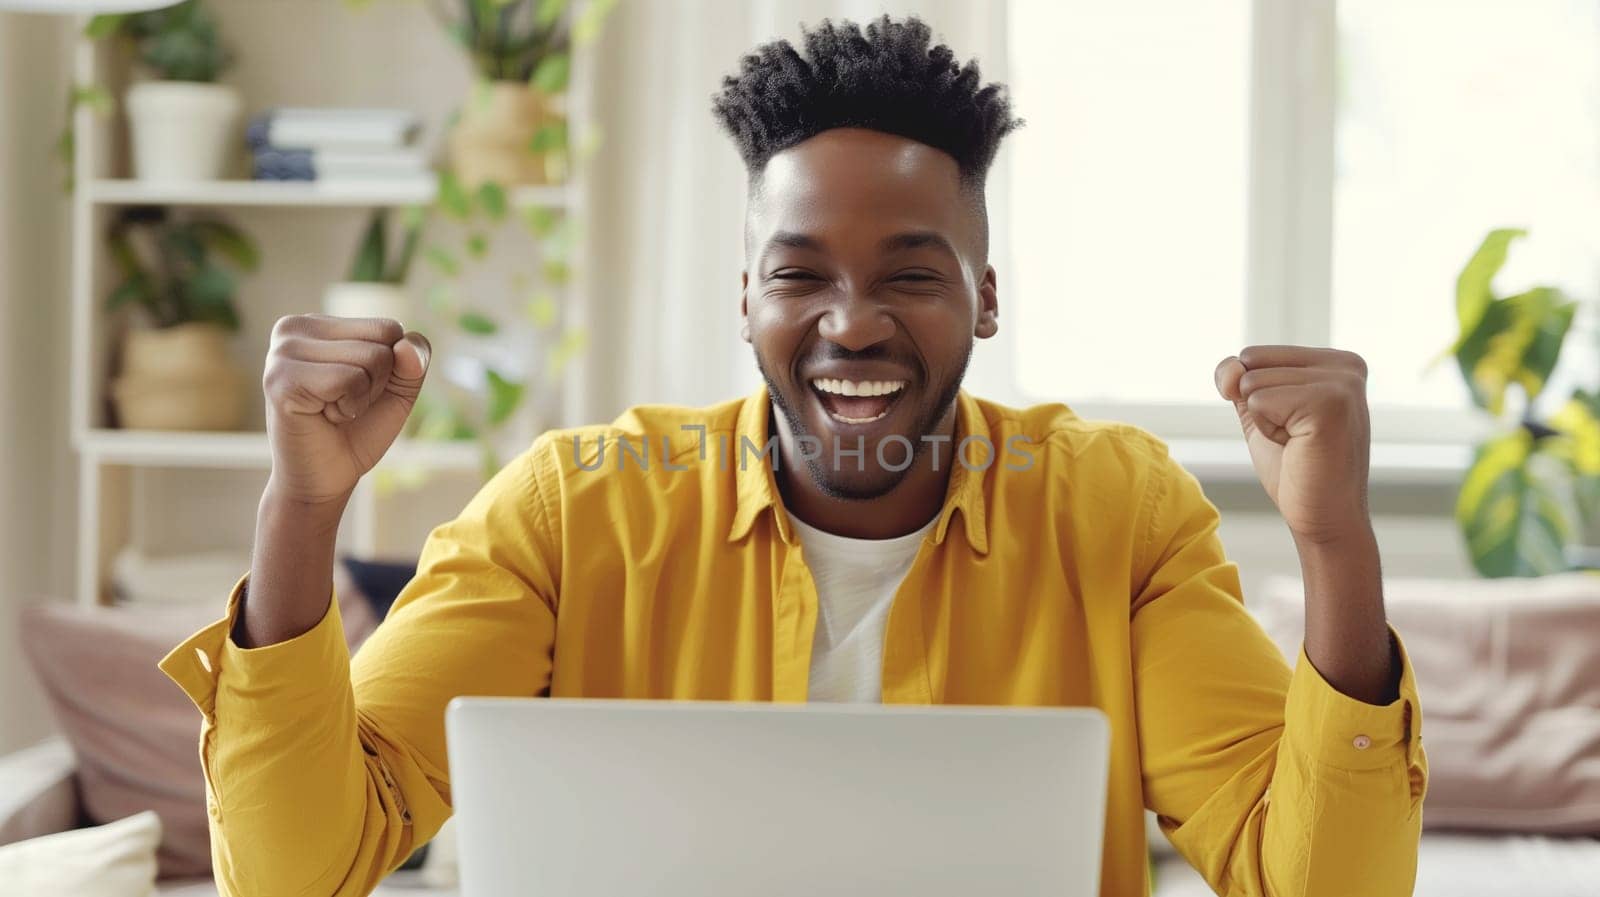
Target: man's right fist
(338,392)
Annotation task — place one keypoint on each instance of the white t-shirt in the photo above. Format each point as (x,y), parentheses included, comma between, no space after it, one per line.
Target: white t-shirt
(856,581)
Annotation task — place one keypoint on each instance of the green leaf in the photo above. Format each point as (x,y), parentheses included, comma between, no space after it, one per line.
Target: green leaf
(542,310)
(553,73)
(135,289)
(230,242)
(548,12)
(550,136)
(1578,423)
(369,261)
(453,197)
(209,296)
(492,197)
(477,323)
(572,344)
(442,259)
(1473,293)
(1517,340)
(557,272)
(104,25)
(413,217)
(504,397)
(477,245)
(589,23)
(411,221)
(1512,520)
(95,97)
(541,220)
(438,420)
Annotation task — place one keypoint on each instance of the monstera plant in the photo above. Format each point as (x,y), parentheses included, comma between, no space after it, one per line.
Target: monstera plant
(1533,489)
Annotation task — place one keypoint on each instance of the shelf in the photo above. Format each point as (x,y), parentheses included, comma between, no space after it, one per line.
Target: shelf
(1392,463)
(249,451)
(294,194)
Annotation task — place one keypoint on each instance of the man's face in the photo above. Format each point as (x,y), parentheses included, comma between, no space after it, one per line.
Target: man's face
(865,286)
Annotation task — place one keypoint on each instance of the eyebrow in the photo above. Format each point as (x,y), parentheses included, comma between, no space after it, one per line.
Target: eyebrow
(917,239)
(900,242)
(793,240)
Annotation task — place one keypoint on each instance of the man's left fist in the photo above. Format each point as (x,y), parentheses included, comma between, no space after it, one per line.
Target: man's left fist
(1304,414)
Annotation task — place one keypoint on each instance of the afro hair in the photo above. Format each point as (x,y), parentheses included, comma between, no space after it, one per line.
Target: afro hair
(890,78)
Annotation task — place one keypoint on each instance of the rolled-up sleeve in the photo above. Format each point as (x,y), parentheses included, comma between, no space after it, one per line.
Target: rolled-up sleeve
(1269,782)
(323,774)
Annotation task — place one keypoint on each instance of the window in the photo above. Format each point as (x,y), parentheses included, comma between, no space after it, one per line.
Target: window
(1129,191)
(1455,119)
(1192,179)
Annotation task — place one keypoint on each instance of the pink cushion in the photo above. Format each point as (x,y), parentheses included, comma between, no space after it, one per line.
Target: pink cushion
(1508,673)
(135,734)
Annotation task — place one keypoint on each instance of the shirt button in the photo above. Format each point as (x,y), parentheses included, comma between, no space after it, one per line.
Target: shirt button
(1361,742)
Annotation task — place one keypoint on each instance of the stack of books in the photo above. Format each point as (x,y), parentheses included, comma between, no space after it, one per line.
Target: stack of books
(338,146)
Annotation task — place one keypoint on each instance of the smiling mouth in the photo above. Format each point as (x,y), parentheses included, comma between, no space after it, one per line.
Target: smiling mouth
(858,401)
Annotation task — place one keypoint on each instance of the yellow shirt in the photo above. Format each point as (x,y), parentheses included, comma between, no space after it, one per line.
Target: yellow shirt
(1092,577)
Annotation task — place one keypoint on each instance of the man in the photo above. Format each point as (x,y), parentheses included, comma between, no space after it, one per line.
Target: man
(859,530)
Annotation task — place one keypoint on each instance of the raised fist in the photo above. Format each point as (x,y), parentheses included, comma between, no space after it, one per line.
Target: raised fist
(338,392)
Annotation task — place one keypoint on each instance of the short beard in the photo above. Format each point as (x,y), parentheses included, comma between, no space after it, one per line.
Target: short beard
(924,427)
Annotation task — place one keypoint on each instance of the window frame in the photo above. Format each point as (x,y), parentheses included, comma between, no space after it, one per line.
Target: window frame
(1289,243)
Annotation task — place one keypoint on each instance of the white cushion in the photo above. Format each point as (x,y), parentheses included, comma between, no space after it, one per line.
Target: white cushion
(1463,866)
(37,792)
(113,860)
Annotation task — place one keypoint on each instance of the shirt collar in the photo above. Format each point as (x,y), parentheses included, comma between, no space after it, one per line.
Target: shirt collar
(757,488)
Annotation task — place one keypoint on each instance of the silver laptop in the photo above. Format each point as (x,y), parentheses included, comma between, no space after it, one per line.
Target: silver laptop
(570,798)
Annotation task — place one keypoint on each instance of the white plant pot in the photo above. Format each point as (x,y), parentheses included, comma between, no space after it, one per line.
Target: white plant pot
(367,300)
(183,130)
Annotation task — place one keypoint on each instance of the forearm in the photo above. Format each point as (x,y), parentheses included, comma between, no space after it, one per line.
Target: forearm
(1347,634)
(308,797)
(291,569)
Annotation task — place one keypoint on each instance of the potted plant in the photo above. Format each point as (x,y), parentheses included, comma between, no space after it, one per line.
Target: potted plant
(1529,504)
(182,123)
(492,361)
(375,287)
(512,129)
(177,278)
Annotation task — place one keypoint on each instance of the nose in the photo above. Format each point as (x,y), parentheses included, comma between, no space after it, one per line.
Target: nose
(856,322)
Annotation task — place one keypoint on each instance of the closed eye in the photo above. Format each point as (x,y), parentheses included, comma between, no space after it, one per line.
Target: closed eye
(792,274)
(917,276)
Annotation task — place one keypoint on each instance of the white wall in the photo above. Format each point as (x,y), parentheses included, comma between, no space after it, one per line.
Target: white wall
(37,495)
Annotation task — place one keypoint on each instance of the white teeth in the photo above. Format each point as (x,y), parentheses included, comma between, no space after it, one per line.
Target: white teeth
(857,420)
(859,387)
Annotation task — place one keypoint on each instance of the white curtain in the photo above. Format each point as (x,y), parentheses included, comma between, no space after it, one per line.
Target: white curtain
(666,214)
(37,494)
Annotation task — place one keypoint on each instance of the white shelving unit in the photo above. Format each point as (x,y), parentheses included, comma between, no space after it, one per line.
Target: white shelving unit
(294,194)
(124,473)
(249,451)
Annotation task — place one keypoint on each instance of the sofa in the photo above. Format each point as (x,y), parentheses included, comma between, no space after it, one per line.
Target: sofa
(39,796)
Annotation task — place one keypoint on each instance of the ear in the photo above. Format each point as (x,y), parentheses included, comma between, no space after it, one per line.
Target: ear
(744,306)
(988,306)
